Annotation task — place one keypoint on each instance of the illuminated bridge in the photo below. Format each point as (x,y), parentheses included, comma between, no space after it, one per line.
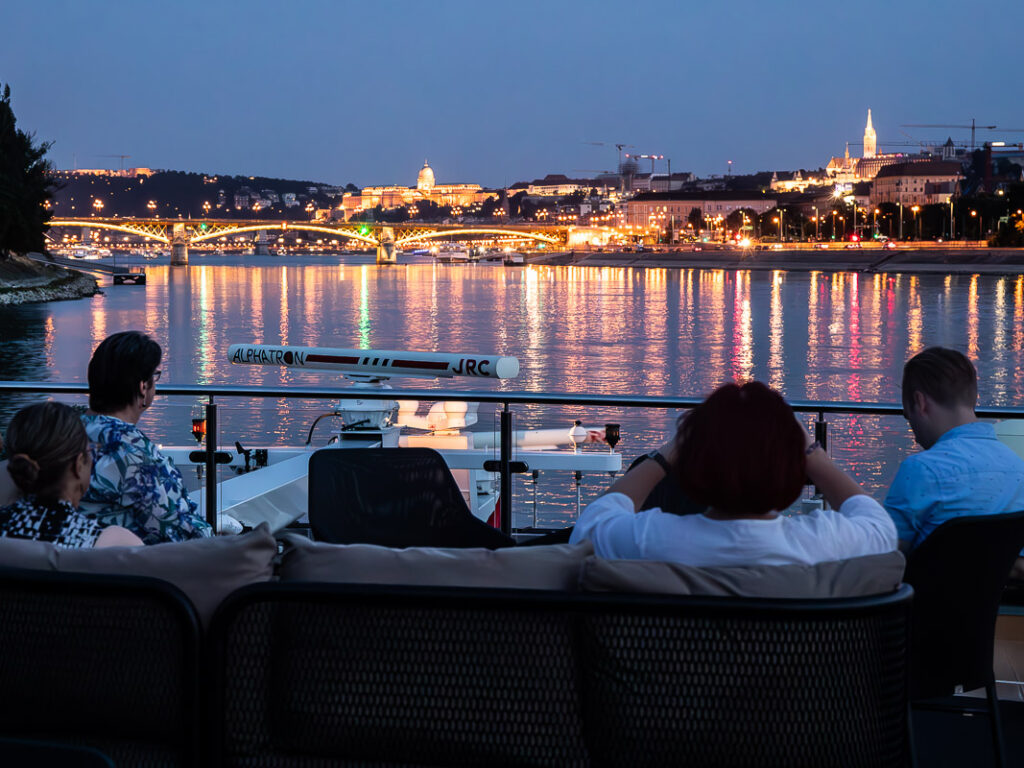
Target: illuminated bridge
(386,238)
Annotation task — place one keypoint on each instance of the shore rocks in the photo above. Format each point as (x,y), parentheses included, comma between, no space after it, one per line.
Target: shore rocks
(23,281)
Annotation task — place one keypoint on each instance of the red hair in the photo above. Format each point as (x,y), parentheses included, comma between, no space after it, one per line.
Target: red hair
(741,451)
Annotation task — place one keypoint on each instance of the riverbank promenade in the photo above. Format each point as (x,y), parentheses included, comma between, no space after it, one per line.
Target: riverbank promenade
(957,258)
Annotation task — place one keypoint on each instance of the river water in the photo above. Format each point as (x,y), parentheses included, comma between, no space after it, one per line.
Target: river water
(814,336)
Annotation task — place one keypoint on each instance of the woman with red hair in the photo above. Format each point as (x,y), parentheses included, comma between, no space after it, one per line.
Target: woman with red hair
(742,453)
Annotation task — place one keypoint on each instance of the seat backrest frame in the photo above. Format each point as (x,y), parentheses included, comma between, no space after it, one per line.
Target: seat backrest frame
(394,497)
(91,647)
(593,616)
(958,573)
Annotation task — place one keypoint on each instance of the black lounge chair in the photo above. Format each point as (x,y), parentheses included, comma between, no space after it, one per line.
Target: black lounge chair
(318,674)
(958,574)
(105,662)
(394,497)
(44,754)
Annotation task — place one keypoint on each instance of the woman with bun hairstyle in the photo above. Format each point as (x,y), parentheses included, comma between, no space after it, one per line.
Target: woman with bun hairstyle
(50,462)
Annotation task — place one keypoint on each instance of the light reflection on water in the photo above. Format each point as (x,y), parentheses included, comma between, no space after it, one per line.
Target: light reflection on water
(610,330)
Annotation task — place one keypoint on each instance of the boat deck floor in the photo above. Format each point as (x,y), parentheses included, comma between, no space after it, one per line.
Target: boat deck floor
(953,739)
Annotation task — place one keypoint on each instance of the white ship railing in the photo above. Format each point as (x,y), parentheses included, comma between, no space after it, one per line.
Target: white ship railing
(506,464)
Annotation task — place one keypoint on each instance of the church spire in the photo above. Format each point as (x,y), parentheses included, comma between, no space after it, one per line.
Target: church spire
(870,138)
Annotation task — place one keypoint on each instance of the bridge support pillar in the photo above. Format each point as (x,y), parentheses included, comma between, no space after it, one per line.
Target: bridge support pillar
(179,253)
(179,246)
(261,243)
(386,247)
(386,253)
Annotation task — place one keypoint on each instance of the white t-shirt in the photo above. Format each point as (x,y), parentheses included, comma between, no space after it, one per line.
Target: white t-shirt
(860,527)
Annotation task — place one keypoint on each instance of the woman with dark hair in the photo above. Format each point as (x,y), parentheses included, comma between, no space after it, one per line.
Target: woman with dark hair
(50,463)
(742,453)
(134,484)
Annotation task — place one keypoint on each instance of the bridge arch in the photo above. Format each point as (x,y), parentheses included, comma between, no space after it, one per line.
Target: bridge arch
(151,234)
(509,233)
(221,232)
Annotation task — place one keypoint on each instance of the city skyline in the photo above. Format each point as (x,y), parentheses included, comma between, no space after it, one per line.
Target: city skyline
(343,93)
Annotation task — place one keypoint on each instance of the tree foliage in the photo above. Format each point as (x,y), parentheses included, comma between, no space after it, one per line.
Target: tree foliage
(25,185)
(695,219)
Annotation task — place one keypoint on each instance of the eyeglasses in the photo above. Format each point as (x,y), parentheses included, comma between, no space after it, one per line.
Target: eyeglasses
(156,375)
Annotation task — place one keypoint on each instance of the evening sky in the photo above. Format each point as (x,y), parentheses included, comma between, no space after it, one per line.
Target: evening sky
(497,92)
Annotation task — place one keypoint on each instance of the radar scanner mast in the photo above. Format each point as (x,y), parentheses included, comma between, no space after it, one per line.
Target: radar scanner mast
(371,368)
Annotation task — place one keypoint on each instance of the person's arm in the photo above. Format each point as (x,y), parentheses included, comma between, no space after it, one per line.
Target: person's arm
(116,536)
(154,491)
(835,485)
(860,517)
(1017,571)
(905,503)
(638,482)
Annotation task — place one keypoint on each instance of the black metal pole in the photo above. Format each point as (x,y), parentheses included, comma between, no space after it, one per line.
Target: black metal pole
(821,431)
(211,466)
(821,435)
(506,473)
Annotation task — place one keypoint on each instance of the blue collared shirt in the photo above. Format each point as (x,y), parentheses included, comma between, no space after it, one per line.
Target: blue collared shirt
(967,472)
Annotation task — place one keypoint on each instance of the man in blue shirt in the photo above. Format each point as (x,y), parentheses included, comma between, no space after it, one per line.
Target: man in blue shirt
(964,469)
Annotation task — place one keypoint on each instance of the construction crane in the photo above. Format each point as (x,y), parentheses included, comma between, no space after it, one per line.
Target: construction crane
(122,158)
(618,145)
(918,144)
(652,158)
(972,126)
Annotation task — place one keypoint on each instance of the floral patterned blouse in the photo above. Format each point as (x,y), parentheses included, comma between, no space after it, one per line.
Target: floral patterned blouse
(59,522)
(135,486)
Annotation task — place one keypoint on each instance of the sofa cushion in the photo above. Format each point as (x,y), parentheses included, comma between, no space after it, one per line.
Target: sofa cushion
(24,553)
(858,576)
(554,567)
(206,570)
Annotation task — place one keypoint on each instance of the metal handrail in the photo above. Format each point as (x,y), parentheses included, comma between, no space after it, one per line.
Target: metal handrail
(476,396)
(505,399)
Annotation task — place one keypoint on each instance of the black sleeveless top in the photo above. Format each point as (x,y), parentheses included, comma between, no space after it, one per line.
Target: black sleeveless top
(58,522)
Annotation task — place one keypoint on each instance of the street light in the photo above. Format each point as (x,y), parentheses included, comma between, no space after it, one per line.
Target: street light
(817,235)
(917,225)
(874,222)
(980,220)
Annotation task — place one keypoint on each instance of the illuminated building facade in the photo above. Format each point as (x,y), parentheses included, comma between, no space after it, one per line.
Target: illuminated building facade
(917,183)
(125,173)
(797,182)
(659,208)
(451,195)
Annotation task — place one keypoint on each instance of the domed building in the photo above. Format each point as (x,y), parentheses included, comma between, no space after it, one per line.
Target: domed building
(425,181)
(462,195)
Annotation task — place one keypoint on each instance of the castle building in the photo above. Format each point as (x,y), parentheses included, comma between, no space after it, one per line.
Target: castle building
(463,195)
(850,170)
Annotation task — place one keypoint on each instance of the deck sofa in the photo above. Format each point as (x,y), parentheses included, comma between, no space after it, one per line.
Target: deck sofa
(247,651)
